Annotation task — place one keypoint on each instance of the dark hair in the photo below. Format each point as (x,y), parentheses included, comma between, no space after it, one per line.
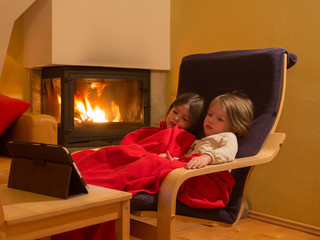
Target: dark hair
(197,107)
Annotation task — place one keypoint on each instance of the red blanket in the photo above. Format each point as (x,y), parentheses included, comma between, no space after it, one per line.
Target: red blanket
(134,166)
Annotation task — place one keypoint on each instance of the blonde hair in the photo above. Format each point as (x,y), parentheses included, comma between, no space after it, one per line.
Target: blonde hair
(239,109)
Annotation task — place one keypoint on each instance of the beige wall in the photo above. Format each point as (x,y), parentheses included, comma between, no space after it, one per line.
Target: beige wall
(112,33)
(15,80)
(12,74)
(289,186)
(10,10)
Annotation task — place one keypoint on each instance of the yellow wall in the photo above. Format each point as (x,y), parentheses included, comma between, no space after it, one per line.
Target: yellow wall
(289,186)
(15,80)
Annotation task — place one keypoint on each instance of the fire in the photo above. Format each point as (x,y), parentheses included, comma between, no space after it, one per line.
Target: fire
(89,113)
(116,111)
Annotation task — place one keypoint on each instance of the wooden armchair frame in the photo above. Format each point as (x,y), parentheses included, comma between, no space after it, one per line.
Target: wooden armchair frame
(166,214)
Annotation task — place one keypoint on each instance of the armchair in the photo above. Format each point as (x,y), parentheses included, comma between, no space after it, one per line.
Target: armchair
(261,74)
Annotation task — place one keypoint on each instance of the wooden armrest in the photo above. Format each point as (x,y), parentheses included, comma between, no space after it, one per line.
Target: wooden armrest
(171,184)
(268,151)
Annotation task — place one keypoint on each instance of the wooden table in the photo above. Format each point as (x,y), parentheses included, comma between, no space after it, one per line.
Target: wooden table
(30,216)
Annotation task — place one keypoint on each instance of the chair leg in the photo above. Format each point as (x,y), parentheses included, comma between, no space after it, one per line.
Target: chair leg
(165,227)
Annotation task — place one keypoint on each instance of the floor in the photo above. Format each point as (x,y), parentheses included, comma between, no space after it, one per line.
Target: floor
(245,229)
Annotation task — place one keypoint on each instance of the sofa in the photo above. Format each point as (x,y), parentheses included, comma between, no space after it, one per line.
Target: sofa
(28,127)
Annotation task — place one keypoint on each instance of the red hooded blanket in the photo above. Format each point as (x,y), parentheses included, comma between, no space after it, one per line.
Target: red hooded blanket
(135,166)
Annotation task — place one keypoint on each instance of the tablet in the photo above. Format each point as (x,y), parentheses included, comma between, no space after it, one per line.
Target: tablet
(44,168)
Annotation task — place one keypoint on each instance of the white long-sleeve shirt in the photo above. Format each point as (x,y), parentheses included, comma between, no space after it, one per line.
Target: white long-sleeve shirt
(220,147)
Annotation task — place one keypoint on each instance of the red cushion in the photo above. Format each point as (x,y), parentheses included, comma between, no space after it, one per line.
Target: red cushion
(11,109)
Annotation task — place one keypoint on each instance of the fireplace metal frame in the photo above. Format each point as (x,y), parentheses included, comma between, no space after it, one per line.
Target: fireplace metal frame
(67,134)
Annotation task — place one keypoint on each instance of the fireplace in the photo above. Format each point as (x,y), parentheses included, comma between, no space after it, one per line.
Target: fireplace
(95,106)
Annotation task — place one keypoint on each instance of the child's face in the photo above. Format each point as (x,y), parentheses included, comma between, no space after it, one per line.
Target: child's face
(217,121)
(179,115)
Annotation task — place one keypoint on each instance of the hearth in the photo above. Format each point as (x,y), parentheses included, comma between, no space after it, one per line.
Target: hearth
(95,106)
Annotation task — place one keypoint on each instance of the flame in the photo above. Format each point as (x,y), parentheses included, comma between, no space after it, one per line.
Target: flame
(116,112)
(98,87)
(95,114)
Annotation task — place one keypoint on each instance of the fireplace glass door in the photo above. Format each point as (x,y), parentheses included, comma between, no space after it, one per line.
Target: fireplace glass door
(95,106)
(116,102)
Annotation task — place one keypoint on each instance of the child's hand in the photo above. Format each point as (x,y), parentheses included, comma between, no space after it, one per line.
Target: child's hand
(199,162)
(167,155)
(163,155)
